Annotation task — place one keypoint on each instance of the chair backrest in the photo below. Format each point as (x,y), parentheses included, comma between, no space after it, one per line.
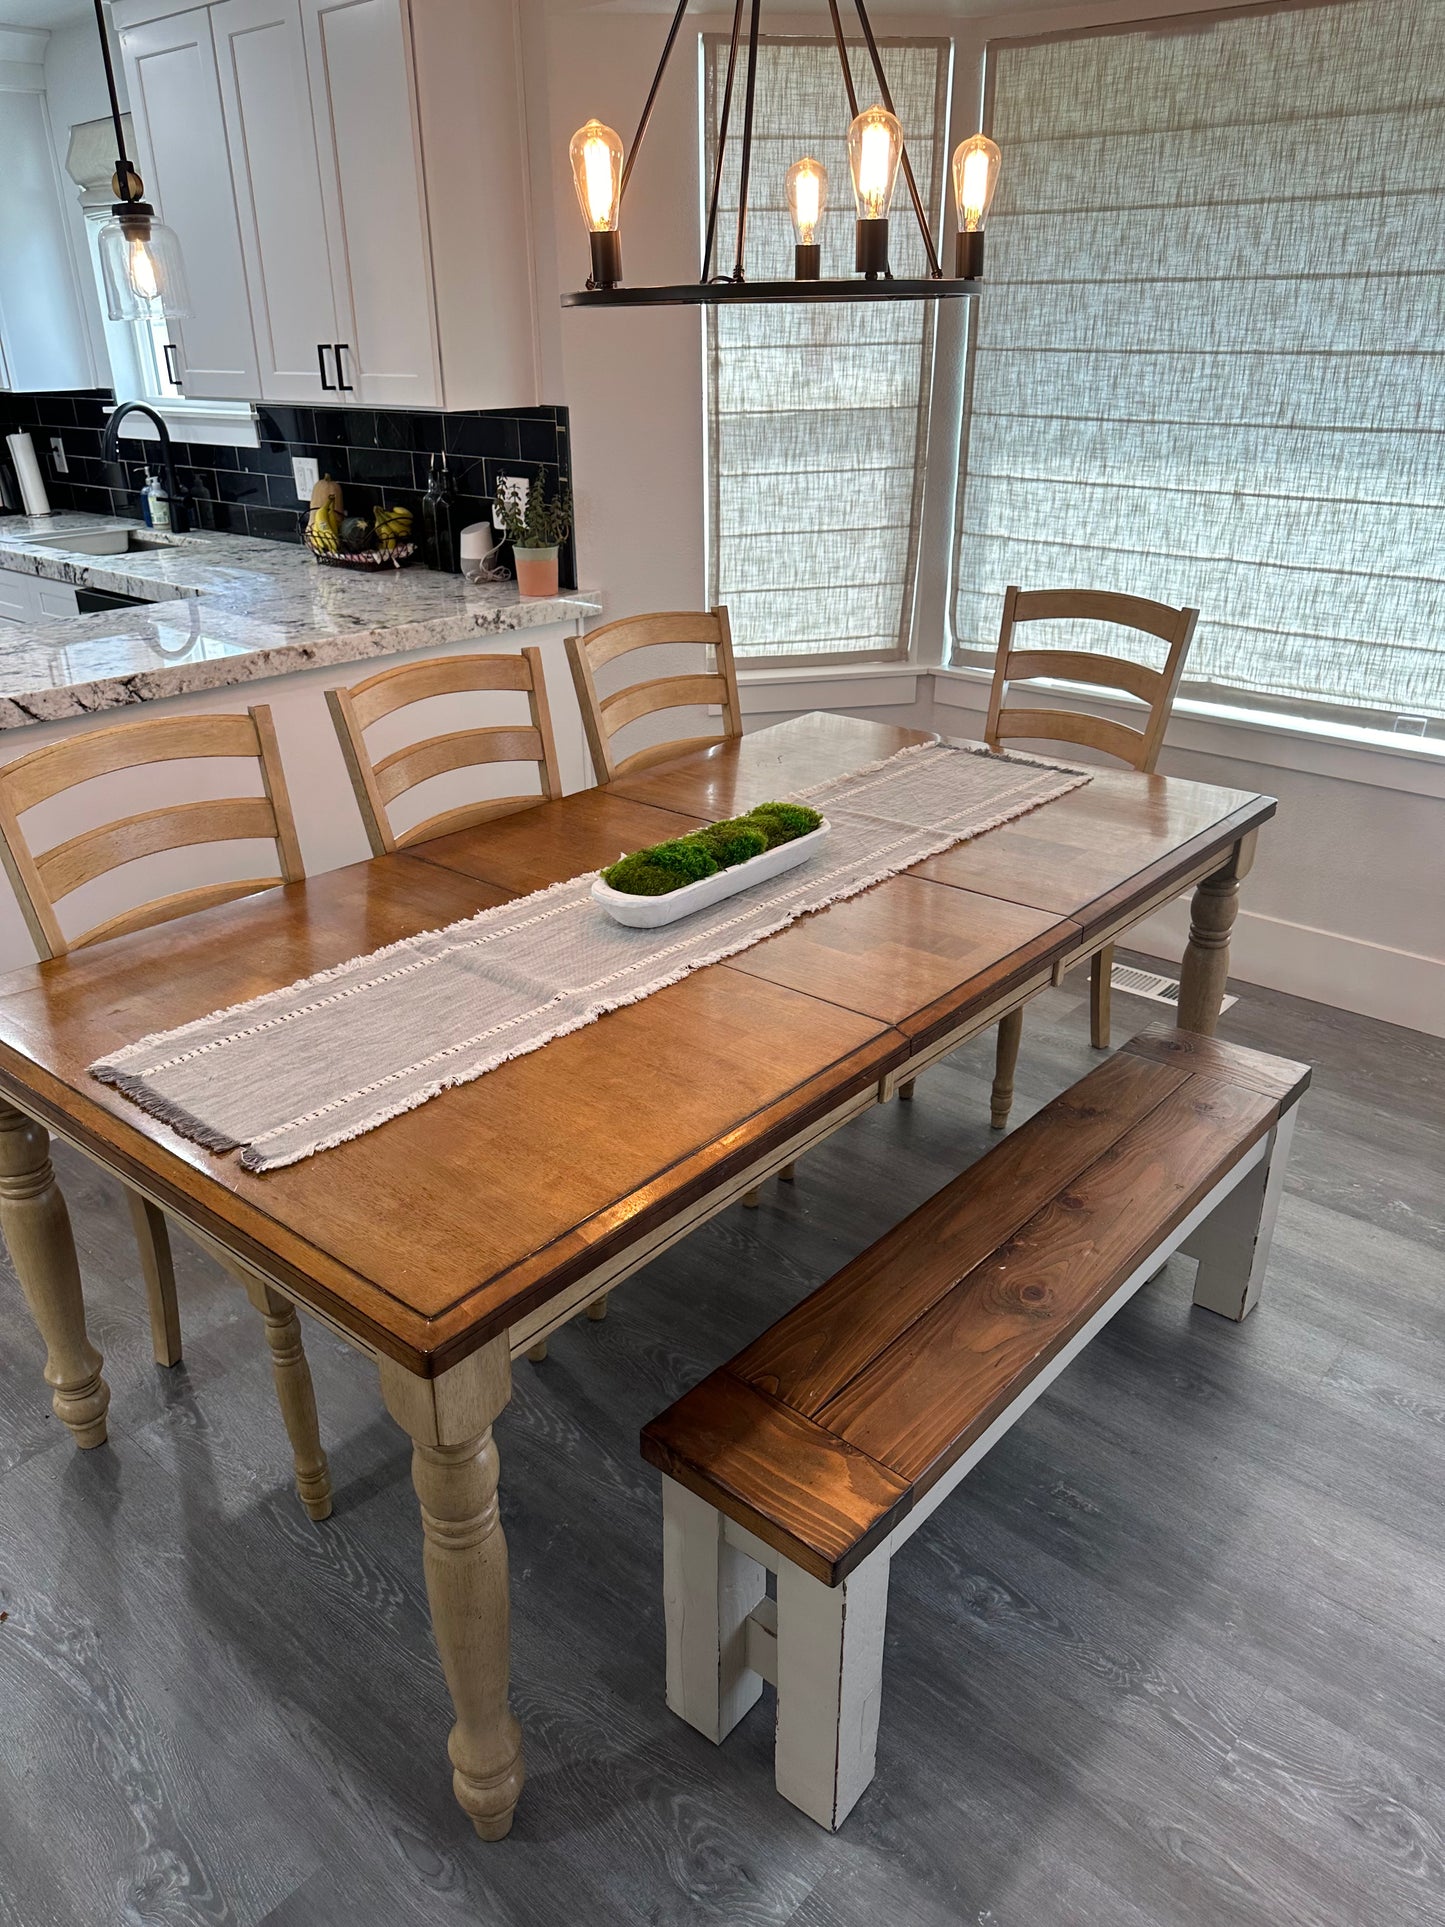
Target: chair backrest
(378,784)
(604,716)
(43,880)
(1156,687)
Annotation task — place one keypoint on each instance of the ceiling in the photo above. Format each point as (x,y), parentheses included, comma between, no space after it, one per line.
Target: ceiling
(43,13)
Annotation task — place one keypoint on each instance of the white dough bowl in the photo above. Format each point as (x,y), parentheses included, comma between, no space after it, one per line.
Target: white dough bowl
(650,913)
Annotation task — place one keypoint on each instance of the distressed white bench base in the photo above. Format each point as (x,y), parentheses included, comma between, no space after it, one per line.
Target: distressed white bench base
(821,1646)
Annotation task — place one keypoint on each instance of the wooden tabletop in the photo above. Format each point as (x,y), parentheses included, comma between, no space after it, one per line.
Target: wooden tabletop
(445,1226)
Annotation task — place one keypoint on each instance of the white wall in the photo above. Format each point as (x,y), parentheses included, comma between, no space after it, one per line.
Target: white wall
(1348,900)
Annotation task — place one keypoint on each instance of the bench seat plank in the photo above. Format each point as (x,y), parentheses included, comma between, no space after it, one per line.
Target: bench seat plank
(807,1357)
(802,1490)
(1276,1077)
(920,1404)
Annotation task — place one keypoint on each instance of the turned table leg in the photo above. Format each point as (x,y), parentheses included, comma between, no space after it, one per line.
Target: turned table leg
(455,1470)
(295,1394)
(37,1233)
(1206,959)
(1005,1064)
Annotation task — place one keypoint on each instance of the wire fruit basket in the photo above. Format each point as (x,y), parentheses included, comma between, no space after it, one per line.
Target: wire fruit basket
(392,558)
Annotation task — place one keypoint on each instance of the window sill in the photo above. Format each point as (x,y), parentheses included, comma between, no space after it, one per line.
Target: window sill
(1273,740)
(218,423)
(862,685)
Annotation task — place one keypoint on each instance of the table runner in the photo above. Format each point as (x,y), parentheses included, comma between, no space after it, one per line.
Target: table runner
(304,1068)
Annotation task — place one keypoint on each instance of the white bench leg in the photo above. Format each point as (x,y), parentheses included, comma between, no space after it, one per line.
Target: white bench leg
(830,1686)
(709,1588)
(1232,1245)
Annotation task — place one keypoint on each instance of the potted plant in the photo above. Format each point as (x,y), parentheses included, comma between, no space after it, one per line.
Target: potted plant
(536,529)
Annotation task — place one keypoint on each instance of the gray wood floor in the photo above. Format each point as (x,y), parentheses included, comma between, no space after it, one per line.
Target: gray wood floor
(1174,1654)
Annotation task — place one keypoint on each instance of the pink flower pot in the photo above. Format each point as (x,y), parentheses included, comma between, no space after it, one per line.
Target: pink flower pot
(536,571)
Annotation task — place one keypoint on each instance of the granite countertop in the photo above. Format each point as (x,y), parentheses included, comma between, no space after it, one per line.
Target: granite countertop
(227,609)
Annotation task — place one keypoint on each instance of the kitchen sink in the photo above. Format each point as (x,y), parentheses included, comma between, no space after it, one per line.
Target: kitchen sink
(104,542)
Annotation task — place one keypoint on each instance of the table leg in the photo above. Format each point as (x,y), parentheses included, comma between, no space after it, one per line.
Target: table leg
(1206,959)
(295,1395)
(455,1470)
(38,1235)
(1005,1064)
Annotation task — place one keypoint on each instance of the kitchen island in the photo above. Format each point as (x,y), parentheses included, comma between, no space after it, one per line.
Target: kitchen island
(221,622)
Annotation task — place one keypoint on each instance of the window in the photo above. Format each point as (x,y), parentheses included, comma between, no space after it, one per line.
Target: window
(1209,365)
(817,415)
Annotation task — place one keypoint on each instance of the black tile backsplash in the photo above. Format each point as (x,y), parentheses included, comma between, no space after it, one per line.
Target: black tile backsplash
(377,455)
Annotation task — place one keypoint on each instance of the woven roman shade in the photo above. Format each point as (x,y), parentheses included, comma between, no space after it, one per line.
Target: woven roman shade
(817,415)
(1210,358)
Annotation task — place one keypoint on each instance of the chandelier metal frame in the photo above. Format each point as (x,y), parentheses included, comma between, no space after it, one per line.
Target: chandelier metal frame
(715,290)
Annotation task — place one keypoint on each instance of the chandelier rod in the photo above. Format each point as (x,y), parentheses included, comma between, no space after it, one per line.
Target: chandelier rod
(722,141)
(843,57)
(638,137)
(746,165)
(934,264)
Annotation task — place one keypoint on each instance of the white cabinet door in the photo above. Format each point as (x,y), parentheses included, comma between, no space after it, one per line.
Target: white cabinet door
(54,598)
(175,99)
(362,95)
(17,596)
(261,59)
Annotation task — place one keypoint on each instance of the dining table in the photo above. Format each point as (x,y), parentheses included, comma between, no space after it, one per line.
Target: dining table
(463,1231)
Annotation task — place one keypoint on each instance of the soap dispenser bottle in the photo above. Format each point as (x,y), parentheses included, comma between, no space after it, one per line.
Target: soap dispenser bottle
(439,519)
(155,504)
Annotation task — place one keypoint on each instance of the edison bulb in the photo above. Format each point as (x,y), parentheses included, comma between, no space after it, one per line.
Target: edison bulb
(141,271)
(597,170)
(975,177)
(875,147)
(807,197)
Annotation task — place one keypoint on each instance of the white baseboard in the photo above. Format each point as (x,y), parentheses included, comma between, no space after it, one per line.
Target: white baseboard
(1397,986)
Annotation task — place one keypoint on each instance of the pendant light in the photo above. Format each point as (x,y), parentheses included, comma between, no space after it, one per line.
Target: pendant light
(877,154)
(140,257)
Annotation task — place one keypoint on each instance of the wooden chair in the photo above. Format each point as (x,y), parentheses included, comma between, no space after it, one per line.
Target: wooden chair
(604,716)
(43,880)
(377,785)
(820,1448)
(1139,748)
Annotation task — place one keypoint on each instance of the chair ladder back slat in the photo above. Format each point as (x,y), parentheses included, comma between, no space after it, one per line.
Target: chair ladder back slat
(61,766)
(413,682)
(604,716)
(379,784)
(178,826)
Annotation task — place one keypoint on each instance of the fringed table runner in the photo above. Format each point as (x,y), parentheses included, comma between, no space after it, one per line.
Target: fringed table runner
(301,1069)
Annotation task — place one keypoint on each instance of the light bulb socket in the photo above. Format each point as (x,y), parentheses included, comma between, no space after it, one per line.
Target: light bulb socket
(135,219)
(808,261)
(871,249)
(606,259)
(969,261)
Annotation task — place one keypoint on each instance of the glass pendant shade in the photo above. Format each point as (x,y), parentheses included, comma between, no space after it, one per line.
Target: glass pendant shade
(142,269)
(597,170)
(975,177)
(875,147)
(807,186)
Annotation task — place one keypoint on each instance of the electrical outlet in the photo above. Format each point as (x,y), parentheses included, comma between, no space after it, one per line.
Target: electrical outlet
(307,473)
(57,455)
(516,488)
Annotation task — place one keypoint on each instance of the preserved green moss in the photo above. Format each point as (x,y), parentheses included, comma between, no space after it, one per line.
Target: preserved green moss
(734,841)
(666,867)
(781,822)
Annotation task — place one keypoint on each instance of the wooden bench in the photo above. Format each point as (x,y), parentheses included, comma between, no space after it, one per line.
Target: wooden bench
(820,1448)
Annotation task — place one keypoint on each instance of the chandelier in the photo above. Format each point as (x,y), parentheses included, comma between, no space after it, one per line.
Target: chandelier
(877,153)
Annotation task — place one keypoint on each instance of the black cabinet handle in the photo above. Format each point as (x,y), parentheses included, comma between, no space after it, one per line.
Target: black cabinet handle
(341,348)
(172,369)
(329,386)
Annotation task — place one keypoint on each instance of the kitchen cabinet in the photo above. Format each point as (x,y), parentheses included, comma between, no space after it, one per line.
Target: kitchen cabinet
(30,598)
(374,204)
(43,338)
(175,104)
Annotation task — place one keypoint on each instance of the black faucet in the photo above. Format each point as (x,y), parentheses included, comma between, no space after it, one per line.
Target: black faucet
(180,518)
